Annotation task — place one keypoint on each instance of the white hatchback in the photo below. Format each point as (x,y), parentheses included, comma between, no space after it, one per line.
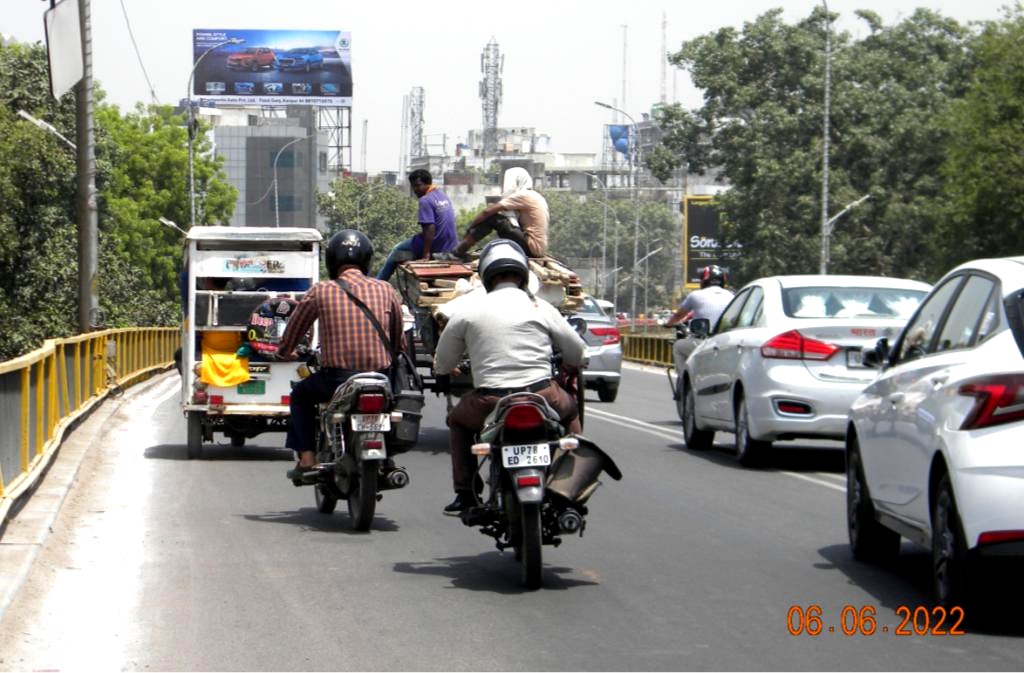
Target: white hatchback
(935,446)
(783,361)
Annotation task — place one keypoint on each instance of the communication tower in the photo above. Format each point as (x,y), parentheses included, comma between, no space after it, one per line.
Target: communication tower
(417,146)
(492,63)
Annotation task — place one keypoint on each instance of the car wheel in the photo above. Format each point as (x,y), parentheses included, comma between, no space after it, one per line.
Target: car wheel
(749,452)
(696,439)
(869,540)
(607,392)
(950,571)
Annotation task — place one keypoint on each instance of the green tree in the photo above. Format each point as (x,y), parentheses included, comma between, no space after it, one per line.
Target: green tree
(761,127)
(386,214)
(983,214)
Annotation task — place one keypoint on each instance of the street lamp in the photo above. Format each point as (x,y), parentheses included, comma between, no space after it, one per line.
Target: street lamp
(46,127)
(634,155)
(170,223)
(824,170)
(191,130)
(277,213)
(604,229)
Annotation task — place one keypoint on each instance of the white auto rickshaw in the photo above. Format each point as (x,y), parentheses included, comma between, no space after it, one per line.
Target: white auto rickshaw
(230,274)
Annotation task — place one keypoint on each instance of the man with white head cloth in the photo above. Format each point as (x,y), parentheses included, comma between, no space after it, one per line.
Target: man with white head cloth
(530,232)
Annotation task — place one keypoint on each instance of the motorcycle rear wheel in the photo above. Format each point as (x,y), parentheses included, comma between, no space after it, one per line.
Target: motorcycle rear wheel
(362,495)
(530,546)
(325,500)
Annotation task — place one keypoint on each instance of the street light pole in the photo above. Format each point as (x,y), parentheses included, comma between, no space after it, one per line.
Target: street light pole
(191,130)
(604,231)
(634,158)
(277,213)
(824,170)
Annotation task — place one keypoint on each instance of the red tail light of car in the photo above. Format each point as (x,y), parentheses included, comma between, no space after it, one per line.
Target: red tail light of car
(609,335)
(523,417)
(998,399)
(792,345)
(370,403)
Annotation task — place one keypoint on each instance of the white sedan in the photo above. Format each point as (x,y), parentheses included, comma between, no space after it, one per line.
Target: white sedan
(783,361)
(935,446)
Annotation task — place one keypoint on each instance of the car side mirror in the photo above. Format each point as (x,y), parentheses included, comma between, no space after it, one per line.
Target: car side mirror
(700,327)
(874,357)
(578,324)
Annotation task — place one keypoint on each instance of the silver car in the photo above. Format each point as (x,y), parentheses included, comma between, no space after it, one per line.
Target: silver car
(604,350)
(784,360)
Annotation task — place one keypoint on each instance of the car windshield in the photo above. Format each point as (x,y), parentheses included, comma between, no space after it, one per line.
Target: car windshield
(298,51)
(850,302)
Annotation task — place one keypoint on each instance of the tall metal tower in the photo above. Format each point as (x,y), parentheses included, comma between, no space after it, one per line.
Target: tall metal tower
(664,55)
(492,63)
(417,102)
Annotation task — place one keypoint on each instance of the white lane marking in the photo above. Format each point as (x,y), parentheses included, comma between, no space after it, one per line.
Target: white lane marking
(651,429)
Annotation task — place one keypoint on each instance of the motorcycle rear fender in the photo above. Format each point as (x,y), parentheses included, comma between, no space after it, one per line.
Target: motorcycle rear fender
(359,448)
(528,494)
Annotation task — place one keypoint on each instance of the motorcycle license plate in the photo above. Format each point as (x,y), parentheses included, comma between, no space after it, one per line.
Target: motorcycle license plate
(525,455)
(371,422)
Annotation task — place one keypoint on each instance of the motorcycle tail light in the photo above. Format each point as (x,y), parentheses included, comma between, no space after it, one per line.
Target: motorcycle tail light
(370,403)
(481,449)
(523,417)
(525,482)
(216,400)
(998,399)
(373,444)
(609,335)
(792,345)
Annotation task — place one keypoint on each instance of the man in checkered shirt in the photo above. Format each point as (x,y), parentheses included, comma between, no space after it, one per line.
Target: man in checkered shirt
(349,343)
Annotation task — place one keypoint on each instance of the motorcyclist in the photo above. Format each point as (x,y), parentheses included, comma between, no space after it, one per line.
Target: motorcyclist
(707,302)
(349,342)
(509,338)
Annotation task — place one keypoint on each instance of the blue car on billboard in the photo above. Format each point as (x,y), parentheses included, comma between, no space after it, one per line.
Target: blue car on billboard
(244,88)
(300,58)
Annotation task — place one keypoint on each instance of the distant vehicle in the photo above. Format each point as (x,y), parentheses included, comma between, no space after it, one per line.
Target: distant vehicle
(933,445)
(273,88)
(244,87)
(604,350)
(302,88)
(300,58)
(784,360)
(252,58)
(329,89)
(216,87)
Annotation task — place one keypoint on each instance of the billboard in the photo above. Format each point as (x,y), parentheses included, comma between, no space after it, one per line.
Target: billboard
(701,234)
(272,67)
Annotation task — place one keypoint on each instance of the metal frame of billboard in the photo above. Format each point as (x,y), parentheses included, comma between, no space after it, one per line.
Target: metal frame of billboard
(224,76)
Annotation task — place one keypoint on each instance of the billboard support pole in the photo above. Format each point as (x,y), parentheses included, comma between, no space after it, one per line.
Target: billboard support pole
(88,244)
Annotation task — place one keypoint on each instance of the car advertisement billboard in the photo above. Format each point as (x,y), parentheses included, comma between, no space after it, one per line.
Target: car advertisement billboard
(703,248)
(272,67)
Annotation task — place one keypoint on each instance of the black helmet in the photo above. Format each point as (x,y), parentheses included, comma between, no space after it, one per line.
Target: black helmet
(713,275)
(348,246)
(502,256)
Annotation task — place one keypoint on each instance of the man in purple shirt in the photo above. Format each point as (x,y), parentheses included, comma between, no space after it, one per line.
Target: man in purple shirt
(436,216)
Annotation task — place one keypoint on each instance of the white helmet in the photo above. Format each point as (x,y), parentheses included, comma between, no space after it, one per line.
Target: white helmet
(502,256)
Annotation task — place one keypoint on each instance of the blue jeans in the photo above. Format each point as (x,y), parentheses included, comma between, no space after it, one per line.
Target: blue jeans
(392,261)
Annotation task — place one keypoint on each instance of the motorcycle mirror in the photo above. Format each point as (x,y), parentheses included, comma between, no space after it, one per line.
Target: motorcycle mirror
(700,327)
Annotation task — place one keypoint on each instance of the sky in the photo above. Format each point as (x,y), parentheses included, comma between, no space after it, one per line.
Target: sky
(560,55)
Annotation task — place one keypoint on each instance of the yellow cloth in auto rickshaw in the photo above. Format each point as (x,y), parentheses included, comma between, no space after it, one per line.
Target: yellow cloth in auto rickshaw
(221,366)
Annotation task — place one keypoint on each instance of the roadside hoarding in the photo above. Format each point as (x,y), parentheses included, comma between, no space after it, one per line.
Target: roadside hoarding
(273,67)
(701,234)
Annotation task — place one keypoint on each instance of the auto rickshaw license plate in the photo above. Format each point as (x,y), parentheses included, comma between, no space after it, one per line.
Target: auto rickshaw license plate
(525,455)
(252,388)
(371,422)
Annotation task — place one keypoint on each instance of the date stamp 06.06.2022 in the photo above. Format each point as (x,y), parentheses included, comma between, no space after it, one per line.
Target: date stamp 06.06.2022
(864,620)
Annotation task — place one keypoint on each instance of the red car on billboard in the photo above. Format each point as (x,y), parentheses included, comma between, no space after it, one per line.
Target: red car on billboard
(252,58)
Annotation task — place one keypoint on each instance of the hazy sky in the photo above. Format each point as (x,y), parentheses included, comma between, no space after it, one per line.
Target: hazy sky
(560,55)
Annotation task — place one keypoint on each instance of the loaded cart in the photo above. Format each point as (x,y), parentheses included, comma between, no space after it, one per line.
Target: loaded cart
(239,287)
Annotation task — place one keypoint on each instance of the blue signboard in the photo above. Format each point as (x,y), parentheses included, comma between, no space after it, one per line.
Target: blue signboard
(272,67)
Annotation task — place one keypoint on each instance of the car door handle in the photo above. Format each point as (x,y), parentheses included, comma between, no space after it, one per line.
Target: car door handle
(896,398)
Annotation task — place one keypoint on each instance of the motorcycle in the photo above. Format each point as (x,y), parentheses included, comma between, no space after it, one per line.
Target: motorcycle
(696,329)
(539,479)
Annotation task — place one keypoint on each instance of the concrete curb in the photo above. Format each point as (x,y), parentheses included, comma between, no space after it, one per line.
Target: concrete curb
(27,528)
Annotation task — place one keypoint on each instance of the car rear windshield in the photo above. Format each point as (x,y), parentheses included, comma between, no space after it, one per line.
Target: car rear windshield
(590,307)
(850,302)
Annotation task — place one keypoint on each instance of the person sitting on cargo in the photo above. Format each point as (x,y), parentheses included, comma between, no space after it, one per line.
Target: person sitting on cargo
(509,339)
(436,216)
(529,230)
(349,341)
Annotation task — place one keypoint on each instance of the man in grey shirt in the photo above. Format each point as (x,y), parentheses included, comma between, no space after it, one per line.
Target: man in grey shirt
(707,302)
(509,338)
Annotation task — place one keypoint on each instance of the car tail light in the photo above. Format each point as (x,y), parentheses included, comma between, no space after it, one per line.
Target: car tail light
(609,335)
(523,482)
(997,536)
(523,417)
(794,408)
(792,345)
(370,403)
(998,399)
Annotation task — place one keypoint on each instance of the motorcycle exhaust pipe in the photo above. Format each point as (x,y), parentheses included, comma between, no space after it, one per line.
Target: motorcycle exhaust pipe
(398,478)
(570,521)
